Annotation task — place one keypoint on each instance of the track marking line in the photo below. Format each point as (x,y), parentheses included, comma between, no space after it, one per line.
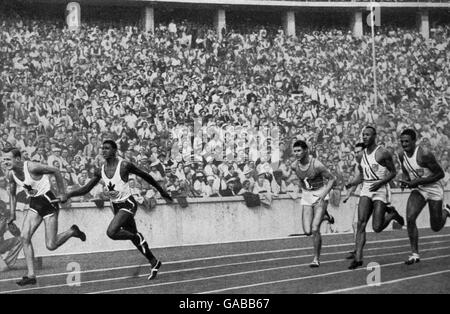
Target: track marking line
(390,282)
(256,271)
(214,266)
(225,256)
(220,265)
(310,277)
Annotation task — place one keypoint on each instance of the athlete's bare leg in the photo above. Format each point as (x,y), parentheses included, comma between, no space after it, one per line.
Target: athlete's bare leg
(438,215)
(53,240)
(319,212)
(31,222)
(123,227)
(312,219)
(414,207)
(116,231)
(381,218)
(365,209)
(307,218)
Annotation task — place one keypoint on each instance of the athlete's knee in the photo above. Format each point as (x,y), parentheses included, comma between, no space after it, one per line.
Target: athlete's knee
(436,226)
(411,220)
(51,245)
(377,228)
(361,225)
(315,231)
(25,239)
(111,233)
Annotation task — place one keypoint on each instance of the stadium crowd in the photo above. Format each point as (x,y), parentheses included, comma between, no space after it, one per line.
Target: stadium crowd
(64,92)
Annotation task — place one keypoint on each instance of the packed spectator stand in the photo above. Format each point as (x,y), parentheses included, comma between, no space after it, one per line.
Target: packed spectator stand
(64,92)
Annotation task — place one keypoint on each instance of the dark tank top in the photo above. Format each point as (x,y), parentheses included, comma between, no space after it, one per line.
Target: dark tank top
(311,178)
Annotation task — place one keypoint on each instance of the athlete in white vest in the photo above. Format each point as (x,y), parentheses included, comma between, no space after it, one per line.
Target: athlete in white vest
(115,173)
(423,176)
(376,170)
(34,179)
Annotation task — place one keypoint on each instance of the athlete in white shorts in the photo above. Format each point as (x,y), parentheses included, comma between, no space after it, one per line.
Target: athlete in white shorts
(34,179)
(376,171)
(424,176)
(355,191)
(316,182)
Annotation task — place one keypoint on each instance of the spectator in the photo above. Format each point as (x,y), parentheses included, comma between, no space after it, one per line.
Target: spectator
(45,82)
(230,188)
(55,157)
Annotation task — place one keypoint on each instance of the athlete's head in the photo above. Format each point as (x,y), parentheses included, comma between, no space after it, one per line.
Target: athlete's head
(300,149)
(11,157)
(408,140)
(109,149)
(369,136)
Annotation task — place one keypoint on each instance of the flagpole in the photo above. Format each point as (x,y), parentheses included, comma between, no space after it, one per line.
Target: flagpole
(374,62)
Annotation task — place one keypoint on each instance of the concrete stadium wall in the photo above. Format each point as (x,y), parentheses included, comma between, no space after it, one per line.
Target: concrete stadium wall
(204,221)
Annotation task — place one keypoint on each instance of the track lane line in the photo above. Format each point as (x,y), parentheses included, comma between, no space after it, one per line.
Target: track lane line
(223,256)
(312,276)
(387,282)
(214,266)
(258,271)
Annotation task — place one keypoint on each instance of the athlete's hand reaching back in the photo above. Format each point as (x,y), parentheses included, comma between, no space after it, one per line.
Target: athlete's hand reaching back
(409,184)
(376,186)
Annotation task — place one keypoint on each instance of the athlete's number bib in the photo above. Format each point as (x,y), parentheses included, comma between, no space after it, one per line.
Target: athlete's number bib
(307,185)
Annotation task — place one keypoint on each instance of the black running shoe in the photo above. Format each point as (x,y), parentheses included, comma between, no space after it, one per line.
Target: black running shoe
(154,270)
(328,217)
(78,233)
(351,255)
(447,209)
(355,264)
(413,259)
(27,281)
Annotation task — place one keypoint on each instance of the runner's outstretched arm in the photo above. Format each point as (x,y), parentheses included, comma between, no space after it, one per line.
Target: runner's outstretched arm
(84,189)
(149,179)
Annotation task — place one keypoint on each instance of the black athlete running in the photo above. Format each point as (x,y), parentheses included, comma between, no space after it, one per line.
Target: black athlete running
(115,173)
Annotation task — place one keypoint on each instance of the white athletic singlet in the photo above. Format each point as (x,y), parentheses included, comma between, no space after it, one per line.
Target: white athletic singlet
(118,190)
(373,172)
(433,191)
(33,188)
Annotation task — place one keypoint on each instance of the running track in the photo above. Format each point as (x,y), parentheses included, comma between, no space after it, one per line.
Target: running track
(270,266)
